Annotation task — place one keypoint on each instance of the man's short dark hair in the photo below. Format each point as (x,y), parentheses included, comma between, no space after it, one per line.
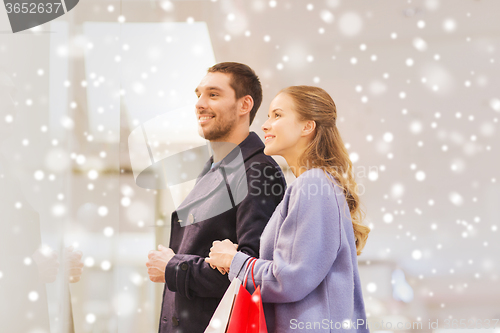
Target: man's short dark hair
(244,82)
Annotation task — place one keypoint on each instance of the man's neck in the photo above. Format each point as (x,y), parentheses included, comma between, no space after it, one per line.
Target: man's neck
(221,148)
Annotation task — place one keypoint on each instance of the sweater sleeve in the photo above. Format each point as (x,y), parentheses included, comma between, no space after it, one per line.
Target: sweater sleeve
(306,247)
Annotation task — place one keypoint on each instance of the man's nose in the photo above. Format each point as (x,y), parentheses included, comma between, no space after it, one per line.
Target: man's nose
(201,104)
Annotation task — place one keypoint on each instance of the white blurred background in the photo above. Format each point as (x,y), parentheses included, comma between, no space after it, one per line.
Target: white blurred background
(416,88)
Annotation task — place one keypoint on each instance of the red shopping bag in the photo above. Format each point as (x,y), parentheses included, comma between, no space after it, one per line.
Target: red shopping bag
(247,315)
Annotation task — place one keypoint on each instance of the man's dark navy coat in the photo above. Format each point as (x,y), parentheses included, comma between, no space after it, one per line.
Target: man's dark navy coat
(193,289)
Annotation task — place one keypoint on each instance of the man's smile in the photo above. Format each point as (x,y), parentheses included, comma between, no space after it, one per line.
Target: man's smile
(204,119)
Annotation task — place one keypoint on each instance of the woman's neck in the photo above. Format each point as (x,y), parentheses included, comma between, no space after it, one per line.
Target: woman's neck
(293,164)
(294,160)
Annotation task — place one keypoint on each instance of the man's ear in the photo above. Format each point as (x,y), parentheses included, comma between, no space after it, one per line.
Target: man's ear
(308,128)
(246,105)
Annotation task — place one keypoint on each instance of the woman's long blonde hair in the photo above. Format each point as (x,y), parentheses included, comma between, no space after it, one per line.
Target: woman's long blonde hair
(327,150)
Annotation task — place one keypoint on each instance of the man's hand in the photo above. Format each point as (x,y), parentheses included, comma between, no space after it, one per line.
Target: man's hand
(74,264)
(157,262)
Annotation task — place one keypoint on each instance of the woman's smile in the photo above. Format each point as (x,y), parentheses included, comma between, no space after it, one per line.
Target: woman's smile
(268,138)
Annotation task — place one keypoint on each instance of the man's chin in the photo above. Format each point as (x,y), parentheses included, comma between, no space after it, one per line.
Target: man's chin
(204,132)
(213,132)
(207,135)
(200,132)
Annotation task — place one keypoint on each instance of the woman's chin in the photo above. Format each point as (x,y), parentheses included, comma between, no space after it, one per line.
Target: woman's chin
(268,151)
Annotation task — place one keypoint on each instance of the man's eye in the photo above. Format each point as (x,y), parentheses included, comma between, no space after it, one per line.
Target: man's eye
(213,95)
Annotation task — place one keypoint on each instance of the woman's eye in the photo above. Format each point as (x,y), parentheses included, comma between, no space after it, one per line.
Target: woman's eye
(277,115)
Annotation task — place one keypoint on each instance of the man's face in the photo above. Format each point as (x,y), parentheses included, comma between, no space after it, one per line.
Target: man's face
(216,109)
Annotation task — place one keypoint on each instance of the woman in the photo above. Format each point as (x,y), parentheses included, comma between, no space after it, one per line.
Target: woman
(307,268)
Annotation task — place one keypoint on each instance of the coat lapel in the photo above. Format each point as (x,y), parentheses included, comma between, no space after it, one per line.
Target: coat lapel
(210,182)
(205,186)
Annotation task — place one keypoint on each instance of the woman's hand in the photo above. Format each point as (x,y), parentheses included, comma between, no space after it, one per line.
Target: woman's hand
(221,255)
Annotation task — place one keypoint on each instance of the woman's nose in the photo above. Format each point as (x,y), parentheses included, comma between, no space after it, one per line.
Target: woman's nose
(265,126)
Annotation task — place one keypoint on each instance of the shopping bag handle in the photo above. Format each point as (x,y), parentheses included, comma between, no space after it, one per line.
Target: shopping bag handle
(252,259)
(251,262)
(243,265)
(253,280)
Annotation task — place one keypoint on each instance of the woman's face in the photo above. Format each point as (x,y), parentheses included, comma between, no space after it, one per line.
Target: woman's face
(283,130)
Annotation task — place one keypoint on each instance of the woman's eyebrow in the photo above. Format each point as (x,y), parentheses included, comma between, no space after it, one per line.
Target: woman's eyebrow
(277,109)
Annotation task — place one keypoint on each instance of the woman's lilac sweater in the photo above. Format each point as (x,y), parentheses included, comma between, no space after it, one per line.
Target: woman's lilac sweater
(307,270)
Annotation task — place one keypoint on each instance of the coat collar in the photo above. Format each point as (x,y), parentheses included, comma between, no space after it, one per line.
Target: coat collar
(210,181)
(249,147)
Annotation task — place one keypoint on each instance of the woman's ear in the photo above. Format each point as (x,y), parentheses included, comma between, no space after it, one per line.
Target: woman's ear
(246,105)
(308,128)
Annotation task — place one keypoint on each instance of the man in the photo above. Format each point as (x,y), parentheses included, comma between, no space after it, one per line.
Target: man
(228,99)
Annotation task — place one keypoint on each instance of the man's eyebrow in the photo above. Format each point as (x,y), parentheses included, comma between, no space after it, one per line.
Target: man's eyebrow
(209,89)
(214,88)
